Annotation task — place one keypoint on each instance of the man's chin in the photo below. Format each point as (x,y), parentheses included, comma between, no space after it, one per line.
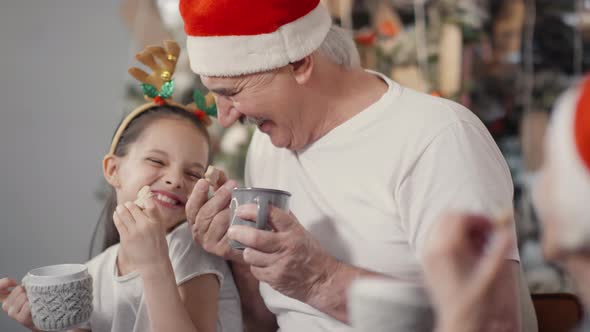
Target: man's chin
(278,142)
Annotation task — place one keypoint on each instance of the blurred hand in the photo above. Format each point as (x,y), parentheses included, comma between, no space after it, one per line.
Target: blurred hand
(210,219)
(15,302)
(288,258)
(463,258)
(143,237)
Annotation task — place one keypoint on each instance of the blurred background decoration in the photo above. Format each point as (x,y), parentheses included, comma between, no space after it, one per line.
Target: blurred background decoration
(506,60)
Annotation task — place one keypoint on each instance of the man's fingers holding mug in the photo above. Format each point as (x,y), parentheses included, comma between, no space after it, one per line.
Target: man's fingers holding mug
(221,181)
(196,200)
(278,219)
(261,240)
(217,228)
(258,258)
(214,206)
(218,202)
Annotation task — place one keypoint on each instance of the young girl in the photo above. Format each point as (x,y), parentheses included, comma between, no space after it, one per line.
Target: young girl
(156,278)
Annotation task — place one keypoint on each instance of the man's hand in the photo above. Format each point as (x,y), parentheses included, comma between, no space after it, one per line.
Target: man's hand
(210,218)
(288,258)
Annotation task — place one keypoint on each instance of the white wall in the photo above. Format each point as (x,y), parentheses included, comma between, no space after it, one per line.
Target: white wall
(62,68)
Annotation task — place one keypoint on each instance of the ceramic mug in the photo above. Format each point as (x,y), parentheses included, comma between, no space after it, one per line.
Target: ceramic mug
(60,296)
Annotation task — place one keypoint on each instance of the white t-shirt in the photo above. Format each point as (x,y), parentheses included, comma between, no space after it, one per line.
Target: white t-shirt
(119,304)
(370,190)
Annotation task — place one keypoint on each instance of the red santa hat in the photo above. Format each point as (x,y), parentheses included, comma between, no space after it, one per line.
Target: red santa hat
(236,37)
(568,149)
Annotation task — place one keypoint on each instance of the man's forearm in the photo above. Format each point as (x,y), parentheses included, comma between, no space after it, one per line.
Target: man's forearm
(256,315)
(330,293)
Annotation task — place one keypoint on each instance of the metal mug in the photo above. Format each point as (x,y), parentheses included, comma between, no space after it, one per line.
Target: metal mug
(262,197)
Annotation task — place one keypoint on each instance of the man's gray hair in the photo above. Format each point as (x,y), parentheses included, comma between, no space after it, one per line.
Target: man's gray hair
(339,46)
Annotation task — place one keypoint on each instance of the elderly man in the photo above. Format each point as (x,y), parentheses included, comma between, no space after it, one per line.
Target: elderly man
(370,164)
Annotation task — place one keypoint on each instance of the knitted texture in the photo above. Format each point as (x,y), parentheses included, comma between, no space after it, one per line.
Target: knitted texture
(62,306)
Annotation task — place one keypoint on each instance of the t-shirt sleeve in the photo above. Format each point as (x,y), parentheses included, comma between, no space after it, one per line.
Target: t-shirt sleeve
(460,170)
(189,260)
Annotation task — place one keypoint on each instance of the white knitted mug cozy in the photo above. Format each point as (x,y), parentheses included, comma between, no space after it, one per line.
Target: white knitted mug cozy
(60,296)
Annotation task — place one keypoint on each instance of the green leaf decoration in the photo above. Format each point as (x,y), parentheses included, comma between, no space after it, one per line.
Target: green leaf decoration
(201,103)
(167,89)
(211,110)
(149,90)
(199,100)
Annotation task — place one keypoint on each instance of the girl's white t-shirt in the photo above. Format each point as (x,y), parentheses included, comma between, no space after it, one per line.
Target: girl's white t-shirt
(119,303)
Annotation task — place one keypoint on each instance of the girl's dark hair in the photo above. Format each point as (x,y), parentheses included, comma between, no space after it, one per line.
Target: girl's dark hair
(128,137)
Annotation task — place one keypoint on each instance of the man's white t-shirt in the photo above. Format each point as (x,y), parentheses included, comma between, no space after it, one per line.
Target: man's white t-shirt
(119,303)
(370,189)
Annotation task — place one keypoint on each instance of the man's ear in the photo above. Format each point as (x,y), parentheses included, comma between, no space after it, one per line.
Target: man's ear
(110,170)
(302,69)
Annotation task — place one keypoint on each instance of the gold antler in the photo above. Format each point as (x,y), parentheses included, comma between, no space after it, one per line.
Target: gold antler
(163,69)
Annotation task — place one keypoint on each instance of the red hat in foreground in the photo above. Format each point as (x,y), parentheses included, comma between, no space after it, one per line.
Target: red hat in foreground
(568,153)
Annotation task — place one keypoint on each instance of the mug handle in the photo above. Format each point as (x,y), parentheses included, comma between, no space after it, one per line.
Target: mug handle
(262,213)
(233,205)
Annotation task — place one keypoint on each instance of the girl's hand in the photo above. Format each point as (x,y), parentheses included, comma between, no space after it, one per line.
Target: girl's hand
(143,238)
(15,302)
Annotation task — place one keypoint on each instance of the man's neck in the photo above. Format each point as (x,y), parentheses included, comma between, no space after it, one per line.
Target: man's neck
(343,95)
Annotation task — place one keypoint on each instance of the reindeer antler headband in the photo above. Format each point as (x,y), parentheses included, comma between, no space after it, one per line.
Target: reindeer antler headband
(158,87)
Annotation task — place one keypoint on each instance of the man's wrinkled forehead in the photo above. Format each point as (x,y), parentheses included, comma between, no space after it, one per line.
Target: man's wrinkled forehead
(222,85)
(228,86)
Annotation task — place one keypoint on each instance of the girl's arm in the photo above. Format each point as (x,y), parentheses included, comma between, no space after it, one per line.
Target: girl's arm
(200,296)
(144,246)
(191,306)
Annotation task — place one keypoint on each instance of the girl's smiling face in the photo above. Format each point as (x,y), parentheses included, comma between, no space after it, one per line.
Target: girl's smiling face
(170,155)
